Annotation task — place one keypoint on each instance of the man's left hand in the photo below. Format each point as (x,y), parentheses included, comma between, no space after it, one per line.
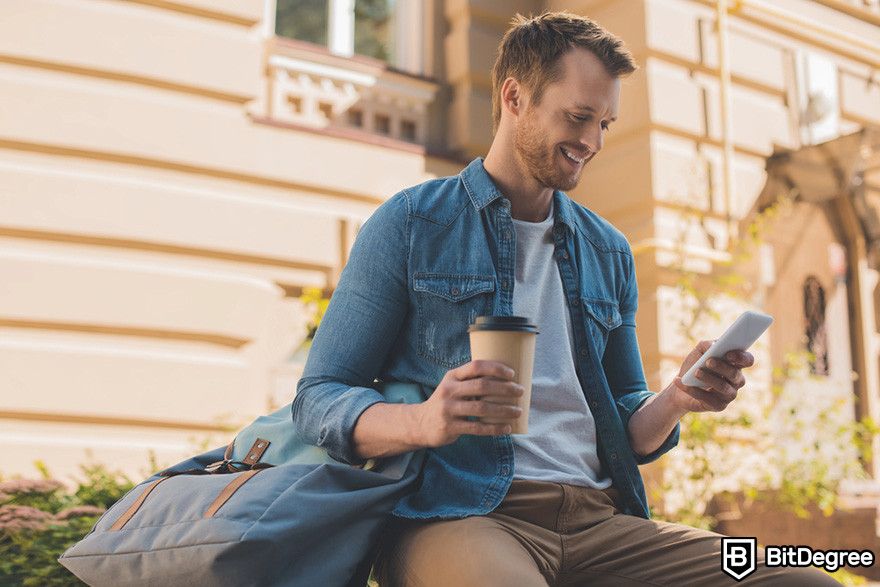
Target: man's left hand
(722,376)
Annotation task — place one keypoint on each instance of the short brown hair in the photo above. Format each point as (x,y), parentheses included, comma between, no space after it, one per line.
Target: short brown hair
(531,48)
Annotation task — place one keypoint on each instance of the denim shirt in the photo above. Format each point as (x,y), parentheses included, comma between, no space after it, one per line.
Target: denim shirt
(424,265)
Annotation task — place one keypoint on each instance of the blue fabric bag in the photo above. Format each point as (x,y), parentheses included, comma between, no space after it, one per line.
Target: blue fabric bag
(266,510)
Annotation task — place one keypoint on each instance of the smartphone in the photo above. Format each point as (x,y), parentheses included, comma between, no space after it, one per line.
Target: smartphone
(738,337)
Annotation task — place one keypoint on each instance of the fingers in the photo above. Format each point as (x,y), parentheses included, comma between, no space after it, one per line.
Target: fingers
(718,386)
(740,359)
(733,375)
(696,353)
(474,369)
(484,409)
(711,400)
(477,398)
(481,429)
(484,386)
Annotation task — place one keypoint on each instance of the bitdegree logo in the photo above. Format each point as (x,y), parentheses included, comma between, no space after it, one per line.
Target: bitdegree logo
(804,556)
(739,557)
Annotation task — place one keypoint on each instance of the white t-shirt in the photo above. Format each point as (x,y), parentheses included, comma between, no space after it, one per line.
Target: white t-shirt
(561,443)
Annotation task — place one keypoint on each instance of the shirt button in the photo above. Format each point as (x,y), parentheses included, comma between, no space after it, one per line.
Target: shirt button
(455,291)
(565,254)
(583,352)
(505,469)
(610,320)
(575,302)
(505,284)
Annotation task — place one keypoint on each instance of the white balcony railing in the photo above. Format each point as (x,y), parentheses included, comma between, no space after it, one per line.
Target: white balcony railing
(306,85)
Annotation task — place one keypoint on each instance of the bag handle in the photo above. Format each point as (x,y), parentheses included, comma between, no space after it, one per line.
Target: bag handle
(229,490)
(221,499)
(132,510)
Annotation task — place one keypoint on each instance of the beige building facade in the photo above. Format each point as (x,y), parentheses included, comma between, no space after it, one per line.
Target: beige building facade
(173,175)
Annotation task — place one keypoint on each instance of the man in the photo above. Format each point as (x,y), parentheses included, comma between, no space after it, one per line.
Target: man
(564,504)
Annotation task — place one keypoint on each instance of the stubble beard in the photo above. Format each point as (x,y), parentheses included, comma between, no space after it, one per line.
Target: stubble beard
(540,157)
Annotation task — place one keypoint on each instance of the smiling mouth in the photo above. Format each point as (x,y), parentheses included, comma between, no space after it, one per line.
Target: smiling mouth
(572,158)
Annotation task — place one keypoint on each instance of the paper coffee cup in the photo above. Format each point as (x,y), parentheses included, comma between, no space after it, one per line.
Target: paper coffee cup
(509,340)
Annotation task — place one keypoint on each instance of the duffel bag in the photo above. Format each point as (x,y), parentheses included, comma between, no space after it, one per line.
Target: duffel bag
(265,510)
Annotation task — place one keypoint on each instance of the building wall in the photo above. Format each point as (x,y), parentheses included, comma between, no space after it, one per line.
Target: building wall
(156,228)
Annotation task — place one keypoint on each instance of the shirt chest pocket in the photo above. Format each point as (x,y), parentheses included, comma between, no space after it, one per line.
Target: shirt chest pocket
(602,316)
(446,305)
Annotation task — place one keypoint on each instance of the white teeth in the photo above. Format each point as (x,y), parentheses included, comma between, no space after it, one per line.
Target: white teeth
(572,157)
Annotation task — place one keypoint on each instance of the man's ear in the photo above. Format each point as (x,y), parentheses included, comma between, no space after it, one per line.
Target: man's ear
(511,95)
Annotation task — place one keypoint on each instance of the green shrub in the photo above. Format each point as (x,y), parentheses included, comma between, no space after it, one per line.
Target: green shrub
(40,519)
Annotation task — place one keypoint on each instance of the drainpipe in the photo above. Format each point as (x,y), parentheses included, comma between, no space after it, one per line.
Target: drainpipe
(726,114)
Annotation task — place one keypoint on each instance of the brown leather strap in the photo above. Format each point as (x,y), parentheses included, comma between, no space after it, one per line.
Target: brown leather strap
(256,452)
(124,518)
(227,454)
(229,490)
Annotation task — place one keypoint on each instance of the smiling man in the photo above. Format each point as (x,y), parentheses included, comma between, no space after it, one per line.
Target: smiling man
(563,504)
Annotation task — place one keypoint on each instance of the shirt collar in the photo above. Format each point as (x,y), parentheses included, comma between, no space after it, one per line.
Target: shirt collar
(482,192)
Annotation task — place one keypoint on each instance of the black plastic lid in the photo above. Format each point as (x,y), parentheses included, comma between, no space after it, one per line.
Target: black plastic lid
(515,323)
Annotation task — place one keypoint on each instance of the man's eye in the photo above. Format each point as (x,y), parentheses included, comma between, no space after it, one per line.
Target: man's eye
(579,118)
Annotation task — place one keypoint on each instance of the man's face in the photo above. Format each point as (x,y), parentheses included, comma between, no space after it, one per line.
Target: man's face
(556,138)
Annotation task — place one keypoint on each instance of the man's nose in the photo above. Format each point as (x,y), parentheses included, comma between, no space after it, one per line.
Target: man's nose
(592,138)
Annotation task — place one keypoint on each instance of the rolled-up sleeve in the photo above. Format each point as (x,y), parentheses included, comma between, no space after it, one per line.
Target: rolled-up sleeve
(627,405)
(362,322)
(622,363)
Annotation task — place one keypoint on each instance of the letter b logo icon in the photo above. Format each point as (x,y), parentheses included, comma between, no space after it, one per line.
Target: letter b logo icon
(739,556)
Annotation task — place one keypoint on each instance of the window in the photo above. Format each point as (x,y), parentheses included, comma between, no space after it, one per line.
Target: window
(408,130)
(816,335)
(374,28)
(306,20)
(364,27)
(383,124)
(356,118)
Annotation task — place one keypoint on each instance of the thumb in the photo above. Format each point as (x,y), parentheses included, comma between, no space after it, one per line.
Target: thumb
(704,345)
(695,354)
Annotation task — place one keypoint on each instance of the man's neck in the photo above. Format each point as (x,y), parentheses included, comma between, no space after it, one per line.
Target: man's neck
(529,200)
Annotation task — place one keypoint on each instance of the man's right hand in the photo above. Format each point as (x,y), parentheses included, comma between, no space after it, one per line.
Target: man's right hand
(463,392)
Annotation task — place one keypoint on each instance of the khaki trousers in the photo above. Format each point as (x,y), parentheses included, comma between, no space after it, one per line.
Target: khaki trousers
(562,535)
